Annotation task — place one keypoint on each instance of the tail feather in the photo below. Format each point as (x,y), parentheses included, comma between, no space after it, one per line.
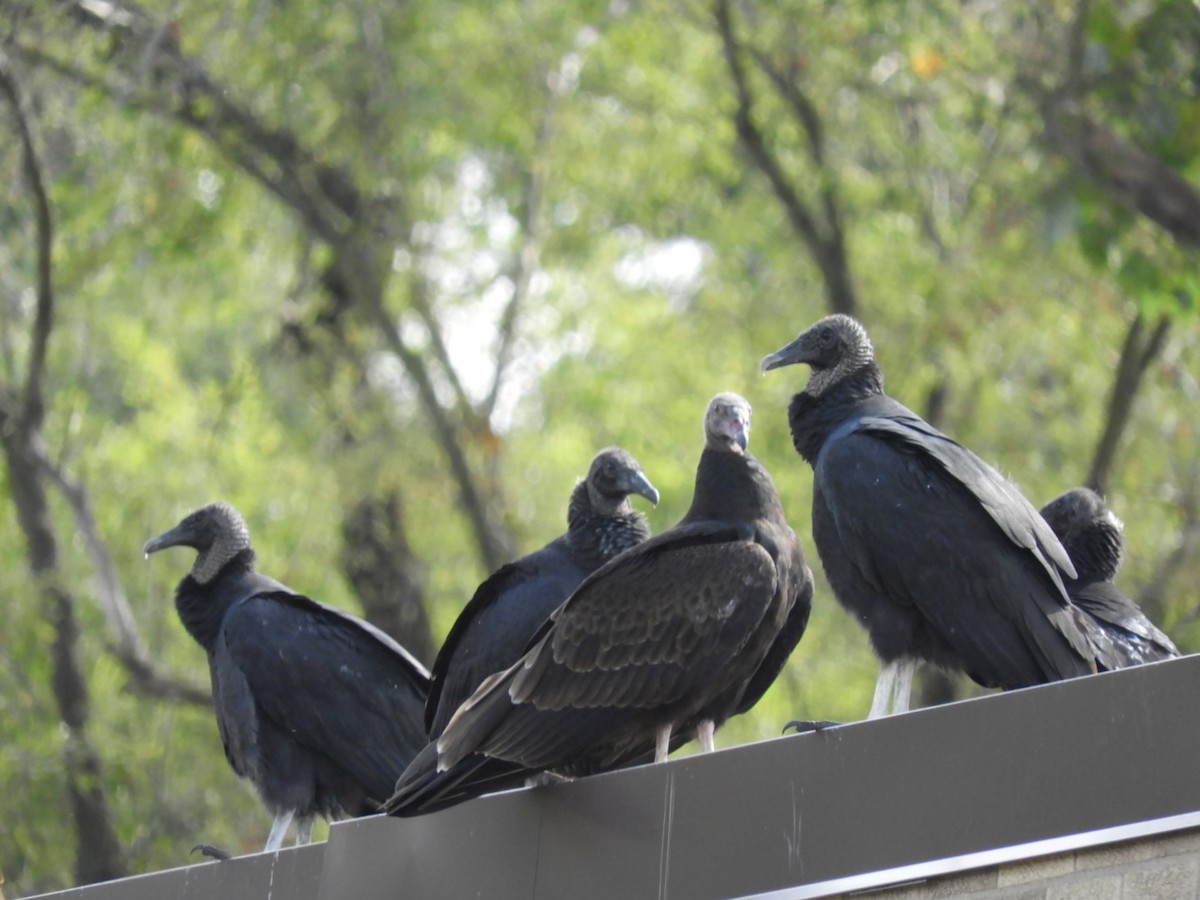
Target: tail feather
(423,789)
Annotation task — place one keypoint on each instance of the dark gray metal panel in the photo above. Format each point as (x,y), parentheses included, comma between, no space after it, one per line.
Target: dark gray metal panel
(994,772)
(955,781)
(287,875)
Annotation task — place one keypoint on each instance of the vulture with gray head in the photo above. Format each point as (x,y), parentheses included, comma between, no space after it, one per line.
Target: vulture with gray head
(320,710)
(496,626)
(938,556)
(666,639)
(1095,540)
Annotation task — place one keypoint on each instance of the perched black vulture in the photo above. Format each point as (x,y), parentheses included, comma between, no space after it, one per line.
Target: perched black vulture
(937,555)
(495,628)
(664,638)
(1094,538)
(319,709)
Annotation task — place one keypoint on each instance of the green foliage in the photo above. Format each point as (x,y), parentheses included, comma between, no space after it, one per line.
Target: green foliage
(195,355)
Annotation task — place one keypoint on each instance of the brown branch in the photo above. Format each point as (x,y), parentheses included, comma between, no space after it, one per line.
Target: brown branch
(99,855)
(34,408)
(130,649)
(327,201)
(530,227)
(1129,175)
(1137,352)
(492,540)
(825,244)
(1153,596)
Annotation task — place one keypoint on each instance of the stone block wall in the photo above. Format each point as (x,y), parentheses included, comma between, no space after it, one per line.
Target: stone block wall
(1165,867)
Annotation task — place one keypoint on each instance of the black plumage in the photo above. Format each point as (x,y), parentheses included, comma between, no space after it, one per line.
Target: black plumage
(497,625)
(662,640)
(938,556)
(317,708)
(1095,540)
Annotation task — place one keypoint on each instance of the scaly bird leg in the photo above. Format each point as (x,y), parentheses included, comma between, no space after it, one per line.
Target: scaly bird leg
(278,829)
(885,685)
(705,733)
(662,743)
(304,828)
(902,692)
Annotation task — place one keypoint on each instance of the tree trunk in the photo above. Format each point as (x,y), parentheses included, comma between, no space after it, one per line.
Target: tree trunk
(387,577)
(99,855)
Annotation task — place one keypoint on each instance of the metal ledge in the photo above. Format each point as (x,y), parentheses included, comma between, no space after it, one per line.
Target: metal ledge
(1043,770)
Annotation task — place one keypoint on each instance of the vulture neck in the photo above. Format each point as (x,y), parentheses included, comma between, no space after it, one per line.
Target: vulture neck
(1099,556)
(813,417)
(733,487)
(202,605)
(594,537)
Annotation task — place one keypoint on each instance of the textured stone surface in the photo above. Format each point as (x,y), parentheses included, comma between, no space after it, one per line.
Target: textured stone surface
(1154,868)
(964,884)
(1041,869)
(1173,878)
(1093,887)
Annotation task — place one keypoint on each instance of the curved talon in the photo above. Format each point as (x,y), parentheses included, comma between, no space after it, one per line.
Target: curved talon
(212,852)
(808,726)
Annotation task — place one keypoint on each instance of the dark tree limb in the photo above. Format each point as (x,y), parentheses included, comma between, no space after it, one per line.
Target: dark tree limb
(1127,174)
(822,233)
(129,648)
(387,577)
(528,256)
(1137,352)
(1153,596)
(360,230)
(99,854)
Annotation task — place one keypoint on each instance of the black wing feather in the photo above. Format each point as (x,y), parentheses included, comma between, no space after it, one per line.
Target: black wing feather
(362,700)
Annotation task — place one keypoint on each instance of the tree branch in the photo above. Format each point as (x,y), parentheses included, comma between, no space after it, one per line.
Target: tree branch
(1137,353)
(825,240)
(325,198)
(33,405)
(130,650)
(99,855)
(1129,175)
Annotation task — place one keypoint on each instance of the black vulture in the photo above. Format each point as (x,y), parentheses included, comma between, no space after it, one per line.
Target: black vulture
(1095,540)
(663,640)
(938,556)
(496,626)
(320,710)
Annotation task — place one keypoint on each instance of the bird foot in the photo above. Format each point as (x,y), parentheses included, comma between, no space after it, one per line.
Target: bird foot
(212,852)
(541,779)
(808,726)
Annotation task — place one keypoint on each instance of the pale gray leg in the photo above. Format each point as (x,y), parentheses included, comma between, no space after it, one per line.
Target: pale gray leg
(662,743)
(304,831)
(903,689)
(705,733)
(885,685)
(278,829)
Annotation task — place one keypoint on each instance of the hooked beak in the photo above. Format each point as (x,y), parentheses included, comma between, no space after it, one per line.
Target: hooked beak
(177,536)
(639,484)
(785,356)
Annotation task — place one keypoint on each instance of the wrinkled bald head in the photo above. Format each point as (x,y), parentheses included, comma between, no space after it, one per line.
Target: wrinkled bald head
(216,531)
(615,475)
(835,348)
